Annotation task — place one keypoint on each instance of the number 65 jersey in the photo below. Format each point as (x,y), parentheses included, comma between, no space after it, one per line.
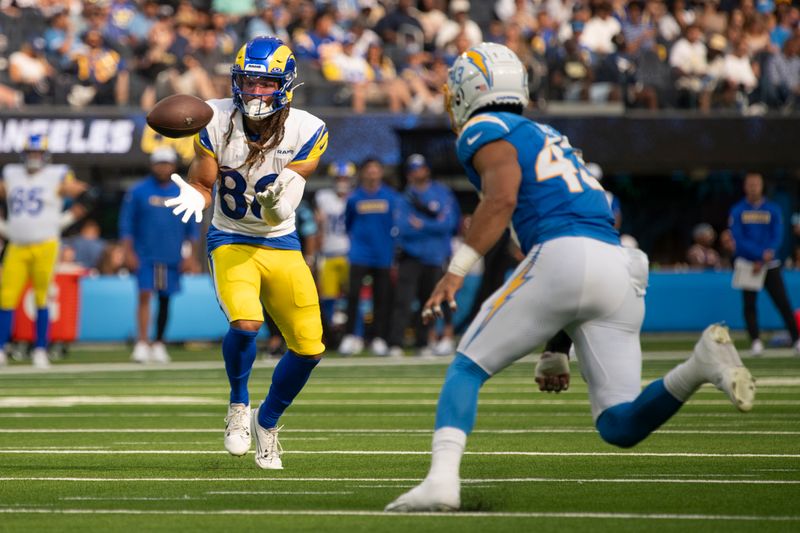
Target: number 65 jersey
(34,202)
(237,214)
(557,196)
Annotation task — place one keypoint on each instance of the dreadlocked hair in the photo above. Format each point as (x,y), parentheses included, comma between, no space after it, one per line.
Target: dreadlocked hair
(270,131)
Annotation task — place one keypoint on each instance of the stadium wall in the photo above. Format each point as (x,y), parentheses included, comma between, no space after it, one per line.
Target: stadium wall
(633,142)
(675,302)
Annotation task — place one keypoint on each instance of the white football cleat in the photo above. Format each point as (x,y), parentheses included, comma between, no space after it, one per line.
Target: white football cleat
(396,352)
(429,496)
(159,354)
(351,345)
(237,429)
(141,353)
(445,346)
(757,348)
(718,362)
(379,347)
(268,448)
(3,358)
(40,359)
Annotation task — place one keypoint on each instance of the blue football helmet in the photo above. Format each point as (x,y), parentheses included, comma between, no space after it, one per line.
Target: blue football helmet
(269,58)
(34,152)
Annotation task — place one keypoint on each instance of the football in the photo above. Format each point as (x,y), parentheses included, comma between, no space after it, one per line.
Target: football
(179,115)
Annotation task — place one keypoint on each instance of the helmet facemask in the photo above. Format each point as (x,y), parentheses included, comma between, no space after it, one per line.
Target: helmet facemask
(258,106)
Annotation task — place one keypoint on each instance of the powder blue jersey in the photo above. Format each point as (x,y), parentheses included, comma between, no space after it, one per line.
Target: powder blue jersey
(557,196)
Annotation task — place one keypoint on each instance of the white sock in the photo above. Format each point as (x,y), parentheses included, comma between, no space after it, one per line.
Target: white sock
(447,449)
(683,380)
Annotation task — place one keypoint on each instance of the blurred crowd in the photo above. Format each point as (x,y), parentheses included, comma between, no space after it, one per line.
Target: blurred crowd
(393,54)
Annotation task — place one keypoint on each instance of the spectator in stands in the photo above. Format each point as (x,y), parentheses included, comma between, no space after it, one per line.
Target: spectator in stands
(215,59)
(402,20)
(459,23)
(423,83)
(153,240)
(599,32)
(427,218)
(60,40)
(271,20)
(688,60)
(30,72)
(432,18)
(383,85)
(87,245)
(101,74)
(701,254)
(570,73)
(161,52)
(783,75)
(333,267)
(738,77)
(313,45)
(369,219)
(757,228)
(639,33)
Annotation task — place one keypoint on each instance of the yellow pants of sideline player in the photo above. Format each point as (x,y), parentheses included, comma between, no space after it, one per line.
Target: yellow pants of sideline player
(23,262)
(247,277)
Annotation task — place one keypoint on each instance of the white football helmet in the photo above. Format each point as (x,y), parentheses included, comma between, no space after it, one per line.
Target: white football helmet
(487,74)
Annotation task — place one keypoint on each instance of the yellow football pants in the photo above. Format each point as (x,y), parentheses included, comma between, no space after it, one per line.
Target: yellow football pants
(24,262)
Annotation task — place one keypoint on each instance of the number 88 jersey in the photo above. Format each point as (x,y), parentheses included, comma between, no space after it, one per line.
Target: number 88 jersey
(557,196)
(237,214)
(34,202)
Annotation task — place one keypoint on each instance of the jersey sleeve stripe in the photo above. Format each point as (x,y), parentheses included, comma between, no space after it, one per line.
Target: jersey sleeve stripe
(315,147)
(486,118)
(202,140)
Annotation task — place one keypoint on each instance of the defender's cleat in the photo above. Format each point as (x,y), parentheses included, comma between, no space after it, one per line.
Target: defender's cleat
(268,448)
(237,429)
(428,496)
(40,359)
(141,353)
(719,363)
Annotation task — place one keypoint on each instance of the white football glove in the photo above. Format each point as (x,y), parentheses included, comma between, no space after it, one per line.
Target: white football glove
(189,201)
(281,197)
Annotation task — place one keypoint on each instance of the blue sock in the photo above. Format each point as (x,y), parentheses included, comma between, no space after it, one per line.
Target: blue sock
(42,327)
(458,401)
(288,379)
(5,326)
(627,424)
(239,352)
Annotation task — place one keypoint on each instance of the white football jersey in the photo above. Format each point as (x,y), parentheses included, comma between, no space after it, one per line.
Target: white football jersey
(236,210)
(34,202)
(335,241)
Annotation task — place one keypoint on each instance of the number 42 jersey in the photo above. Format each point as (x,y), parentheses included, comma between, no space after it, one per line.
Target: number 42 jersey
(557,196)
(237,214)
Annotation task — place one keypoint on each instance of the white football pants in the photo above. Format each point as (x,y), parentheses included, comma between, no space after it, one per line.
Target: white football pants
(591,289)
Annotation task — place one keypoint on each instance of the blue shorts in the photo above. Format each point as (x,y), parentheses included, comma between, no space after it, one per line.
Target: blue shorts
(159,277)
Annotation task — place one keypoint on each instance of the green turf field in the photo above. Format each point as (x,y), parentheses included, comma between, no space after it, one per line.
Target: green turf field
(99,447)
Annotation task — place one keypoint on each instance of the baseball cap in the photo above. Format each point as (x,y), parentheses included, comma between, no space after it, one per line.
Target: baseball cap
(165,154)
(416,161)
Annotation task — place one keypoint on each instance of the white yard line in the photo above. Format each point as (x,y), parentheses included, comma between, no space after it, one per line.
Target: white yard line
(127,498)
(411,480)
(70,401)
(394,431)
(323,512)
(281,492)
(69,451)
